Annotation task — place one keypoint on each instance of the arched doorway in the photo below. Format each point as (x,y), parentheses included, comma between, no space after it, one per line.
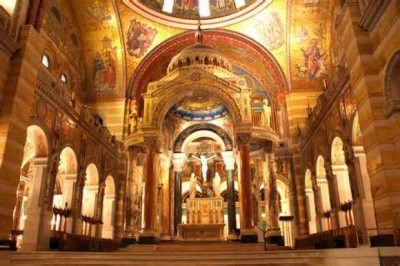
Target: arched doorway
(64,192)
(29,208)
(339,169)
(90,192)
(323,186)
(310,201)
(108,208)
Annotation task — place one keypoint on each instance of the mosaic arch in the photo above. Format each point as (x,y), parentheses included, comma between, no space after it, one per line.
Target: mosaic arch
(186,13)
(242,52)
(179,142)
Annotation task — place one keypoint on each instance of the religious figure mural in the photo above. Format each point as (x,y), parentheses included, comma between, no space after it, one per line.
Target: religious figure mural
(139,38)
(104,67)
(313,61)
(270,31)
(98,11)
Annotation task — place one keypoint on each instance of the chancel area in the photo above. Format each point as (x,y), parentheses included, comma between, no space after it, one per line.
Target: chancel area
(216,132)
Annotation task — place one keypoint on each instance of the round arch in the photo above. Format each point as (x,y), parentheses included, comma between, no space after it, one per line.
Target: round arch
(337,153)
(154,66)
(178,92)
(210,130)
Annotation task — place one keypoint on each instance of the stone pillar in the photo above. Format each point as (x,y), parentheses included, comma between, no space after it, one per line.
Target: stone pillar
(16,96)
(77,204)
(178,164)
(317,201)
(333,196)
(37,229)
(100,205)
(229,160)
(165,213)
(68,190)
(150,234)
(247,232)
(378,130)
(273,234)
(363,207)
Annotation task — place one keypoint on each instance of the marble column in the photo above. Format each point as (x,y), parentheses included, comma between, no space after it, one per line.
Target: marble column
(150,233)
(77,203)
(247,232)
(317,201)
(333,196)
(363,207)
(100,208)
(273,234)
(37,229)
(165,199)
(178,164)
(229,160)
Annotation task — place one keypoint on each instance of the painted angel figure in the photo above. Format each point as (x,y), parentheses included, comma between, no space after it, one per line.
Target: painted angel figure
(204,166)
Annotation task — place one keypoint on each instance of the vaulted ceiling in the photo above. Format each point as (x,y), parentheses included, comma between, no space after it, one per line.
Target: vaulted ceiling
(116,37)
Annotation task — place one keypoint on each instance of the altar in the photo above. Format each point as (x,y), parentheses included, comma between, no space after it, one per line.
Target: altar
(205,220)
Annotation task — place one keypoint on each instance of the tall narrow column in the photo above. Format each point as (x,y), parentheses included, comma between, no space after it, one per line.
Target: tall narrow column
(229,161)
(150,234)
(333,196)
(247,232)
(37,227)
(165,196)
(273,235)
(178,164)
(363,207)
(100,208)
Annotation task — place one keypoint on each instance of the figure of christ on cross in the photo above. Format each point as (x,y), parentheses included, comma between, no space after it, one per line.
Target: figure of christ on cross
(203,159)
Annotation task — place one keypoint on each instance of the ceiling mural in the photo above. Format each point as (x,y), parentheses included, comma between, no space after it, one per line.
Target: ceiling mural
(186,13)
(104,58)
(113,39)
(269,29)
(141,35)
(310,44)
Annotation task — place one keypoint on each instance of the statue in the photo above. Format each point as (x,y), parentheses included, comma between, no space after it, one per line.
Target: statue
(267,112)
(192,188)
(216,185)
(204,166)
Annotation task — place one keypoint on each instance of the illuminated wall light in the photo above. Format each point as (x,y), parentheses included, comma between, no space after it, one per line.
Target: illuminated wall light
(168,6)
(204,8)
(239,3)
(8,5)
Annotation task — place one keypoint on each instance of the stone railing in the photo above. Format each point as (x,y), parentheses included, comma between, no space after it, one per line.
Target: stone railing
(62,98)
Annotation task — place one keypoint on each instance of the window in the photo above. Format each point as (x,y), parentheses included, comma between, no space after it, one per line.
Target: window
(46,61)
(63,78)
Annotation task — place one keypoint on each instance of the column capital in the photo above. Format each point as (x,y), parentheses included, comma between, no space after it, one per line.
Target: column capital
(229,159)
(40,161)
(243,138)
(178,161)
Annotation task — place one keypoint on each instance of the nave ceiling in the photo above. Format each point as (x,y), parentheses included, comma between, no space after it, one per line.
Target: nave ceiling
(113,52)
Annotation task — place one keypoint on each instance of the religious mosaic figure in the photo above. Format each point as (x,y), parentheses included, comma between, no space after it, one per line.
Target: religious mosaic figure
(267,112)
(204,166)
(313,60)
(217,185)
(139,38)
